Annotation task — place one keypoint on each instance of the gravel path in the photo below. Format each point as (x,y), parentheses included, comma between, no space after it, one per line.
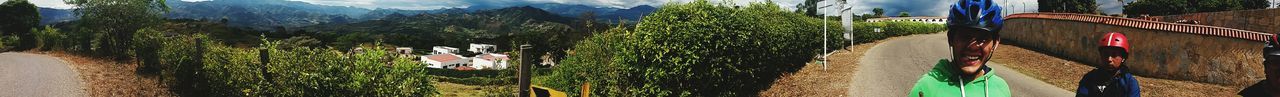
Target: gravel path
(892,67)
(34,75)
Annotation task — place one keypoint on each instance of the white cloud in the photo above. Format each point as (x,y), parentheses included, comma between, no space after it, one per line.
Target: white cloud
(59,4)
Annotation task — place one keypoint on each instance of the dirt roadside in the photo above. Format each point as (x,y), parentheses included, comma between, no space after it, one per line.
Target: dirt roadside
(113,79)
(1066,74)
(813,81)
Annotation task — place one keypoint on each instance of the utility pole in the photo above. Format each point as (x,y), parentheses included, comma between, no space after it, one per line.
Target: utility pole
(526,59)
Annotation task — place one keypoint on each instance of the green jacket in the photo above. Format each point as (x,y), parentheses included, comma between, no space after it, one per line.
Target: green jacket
(942,81)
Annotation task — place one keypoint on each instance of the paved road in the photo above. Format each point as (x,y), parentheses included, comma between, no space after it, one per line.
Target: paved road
(34,75)
(890,69)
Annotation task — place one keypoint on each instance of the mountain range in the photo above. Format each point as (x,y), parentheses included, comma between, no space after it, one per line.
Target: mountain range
(266,14)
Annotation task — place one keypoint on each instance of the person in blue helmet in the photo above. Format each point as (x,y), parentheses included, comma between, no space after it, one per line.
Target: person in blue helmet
(1112,79)
(973,28)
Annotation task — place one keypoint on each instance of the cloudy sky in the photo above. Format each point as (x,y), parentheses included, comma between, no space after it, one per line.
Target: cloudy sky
(437,4)
(892,7)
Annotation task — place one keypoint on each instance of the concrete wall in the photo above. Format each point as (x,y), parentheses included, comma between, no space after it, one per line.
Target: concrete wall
(1162,50)
(1260,20)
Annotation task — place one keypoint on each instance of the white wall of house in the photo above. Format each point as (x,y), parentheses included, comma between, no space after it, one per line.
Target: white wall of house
(443,50)
(445,64)
(482,48)
(494,61)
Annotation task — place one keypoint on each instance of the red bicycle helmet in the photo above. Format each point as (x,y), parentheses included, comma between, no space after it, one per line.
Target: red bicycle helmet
(1115,39)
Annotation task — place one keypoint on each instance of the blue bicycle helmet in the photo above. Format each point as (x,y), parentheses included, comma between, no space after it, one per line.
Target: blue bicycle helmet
(979,14)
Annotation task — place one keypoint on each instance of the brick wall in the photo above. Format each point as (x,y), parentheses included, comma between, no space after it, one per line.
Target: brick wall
(1163,50)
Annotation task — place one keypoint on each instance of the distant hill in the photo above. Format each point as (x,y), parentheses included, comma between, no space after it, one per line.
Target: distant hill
(495,26)
(269,14)
(602,13)
(263,14)
(633,13)
(50,15)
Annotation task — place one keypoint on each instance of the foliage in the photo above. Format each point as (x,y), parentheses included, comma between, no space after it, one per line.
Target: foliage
(879,12)
(49,38)
(1255,4)
(1173,7)
(211,69)
(7,41)
(865,31)
(116,20)
(702,49)
(904,14)
(315,72)
(19,18)
(808,8)
(694,49)
(1069,6)
(502,27)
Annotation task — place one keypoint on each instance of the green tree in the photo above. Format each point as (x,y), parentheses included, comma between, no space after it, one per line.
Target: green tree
(808,8)
(904,14)
(19,17)
(117,20)
(879,12)
(1256,4)
(1173,7)
(1069,6)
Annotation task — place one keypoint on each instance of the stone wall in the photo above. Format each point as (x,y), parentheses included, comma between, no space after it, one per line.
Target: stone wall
(1162,50)
(1260,20)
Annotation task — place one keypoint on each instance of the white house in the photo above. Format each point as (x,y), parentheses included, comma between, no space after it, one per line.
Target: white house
(490,61)
(482,48)
(443,50)
(404,50)
(935,20)
(445,61)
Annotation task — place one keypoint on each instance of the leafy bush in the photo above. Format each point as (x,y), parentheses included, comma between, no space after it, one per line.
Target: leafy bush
(317,72)
(298,71)
(694,49)
(703,49)
(7,42)
(50,38)
(864,31)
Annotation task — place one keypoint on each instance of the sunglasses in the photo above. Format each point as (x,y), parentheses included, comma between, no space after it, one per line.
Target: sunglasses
(958,34)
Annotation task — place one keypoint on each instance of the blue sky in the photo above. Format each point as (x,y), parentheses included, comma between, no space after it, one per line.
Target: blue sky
(892,7)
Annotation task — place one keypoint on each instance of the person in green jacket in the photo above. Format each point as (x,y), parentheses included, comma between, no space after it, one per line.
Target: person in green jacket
(973,34)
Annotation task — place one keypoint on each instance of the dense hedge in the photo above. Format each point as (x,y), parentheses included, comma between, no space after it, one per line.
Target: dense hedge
(213,69)
(704,49)
(864,31)
(694,49)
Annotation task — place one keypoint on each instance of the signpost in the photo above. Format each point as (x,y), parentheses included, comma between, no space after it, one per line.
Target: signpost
(826,6)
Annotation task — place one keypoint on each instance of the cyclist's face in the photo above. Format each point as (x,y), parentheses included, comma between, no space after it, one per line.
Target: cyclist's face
(1113,57)
(970,47)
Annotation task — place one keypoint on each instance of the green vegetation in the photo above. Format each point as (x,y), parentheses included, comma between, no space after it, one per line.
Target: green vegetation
(1174,7)
(865,32)
(714,51)
(116,20)
(19,17)
(879,12)
(227,71)
(701,49)
(691,49)
(1069,6)
(194,59)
